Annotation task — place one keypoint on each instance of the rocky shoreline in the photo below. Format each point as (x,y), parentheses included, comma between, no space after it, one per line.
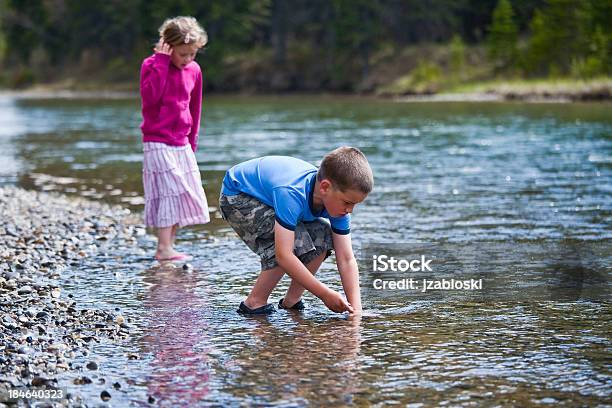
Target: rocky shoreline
(42,330)
(597,91)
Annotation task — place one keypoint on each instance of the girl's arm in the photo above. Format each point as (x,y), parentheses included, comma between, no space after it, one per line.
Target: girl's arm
(153,79)
(195,108)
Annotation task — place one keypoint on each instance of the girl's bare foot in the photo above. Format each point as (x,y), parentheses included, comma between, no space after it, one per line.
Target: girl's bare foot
(170,255)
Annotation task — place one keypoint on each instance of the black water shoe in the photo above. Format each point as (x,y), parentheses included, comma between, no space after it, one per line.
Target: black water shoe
(263,310)
(298,306)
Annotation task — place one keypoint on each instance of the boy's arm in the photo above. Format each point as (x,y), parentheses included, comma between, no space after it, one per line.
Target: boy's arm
(349,271)
(284,242)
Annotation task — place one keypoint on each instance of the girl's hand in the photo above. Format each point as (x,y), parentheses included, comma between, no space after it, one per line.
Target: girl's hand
(162,47)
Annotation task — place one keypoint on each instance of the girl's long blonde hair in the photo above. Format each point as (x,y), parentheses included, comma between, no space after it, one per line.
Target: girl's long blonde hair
(183,30)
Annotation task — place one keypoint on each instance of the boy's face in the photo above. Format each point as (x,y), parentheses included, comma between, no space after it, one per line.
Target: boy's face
(339,203)
(183,54)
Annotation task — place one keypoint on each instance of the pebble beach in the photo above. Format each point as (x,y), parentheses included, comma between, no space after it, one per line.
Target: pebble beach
(43,331)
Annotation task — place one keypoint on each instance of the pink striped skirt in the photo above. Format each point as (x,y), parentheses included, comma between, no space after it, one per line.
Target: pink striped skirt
(172,187)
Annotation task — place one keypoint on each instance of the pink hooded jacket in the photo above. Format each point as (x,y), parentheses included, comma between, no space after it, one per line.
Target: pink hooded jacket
(171,101)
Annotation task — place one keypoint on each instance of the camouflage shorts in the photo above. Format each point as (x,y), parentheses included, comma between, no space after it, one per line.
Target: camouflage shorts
(254,222)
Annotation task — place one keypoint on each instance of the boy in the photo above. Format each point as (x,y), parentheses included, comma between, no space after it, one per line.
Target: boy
(277,204)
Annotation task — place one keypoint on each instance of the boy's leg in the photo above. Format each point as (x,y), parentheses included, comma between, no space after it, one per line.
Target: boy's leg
(295,291)
(267,281)
(264,285)
(253,221)
(313,243)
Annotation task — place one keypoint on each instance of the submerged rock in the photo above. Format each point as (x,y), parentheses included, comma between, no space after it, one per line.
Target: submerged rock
(105,395)
(82,380)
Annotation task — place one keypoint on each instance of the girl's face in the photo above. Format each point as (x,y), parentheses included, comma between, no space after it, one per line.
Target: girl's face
(183,54)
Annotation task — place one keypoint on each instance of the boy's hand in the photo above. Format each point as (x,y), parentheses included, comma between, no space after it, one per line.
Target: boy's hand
(162,47)
(336,302)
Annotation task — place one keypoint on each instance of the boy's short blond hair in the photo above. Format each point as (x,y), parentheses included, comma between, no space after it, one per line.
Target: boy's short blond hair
(183,30)
(348,169)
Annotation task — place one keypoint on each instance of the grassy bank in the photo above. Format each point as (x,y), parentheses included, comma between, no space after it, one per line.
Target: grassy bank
(567,89)
(435,70)
(418,71)
(561,90)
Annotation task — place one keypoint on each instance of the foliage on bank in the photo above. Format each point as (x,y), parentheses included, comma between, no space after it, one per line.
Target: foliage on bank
(384,46)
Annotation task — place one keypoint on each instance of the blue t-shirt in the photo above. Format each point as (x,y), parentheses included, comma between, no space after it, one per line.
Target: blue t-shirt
(284,183)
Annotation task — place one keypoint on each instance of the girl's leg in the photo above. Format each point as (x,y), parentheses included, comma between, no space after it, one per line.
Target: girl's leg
(174,230)
(165,248)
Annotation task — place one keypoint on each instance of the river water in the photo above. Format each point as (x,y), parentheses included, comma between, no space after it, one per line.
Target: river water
(529,182)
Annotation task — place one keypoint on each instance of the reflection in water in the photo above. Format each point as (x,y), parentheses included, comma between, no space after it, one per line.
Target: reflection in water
(176,337)
(11,126)
(460,174)
(199,356)
(299,361)
(464,171)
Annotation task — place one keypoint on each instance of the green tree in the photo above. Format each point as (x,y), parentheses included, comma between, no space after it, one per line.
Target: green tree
(25,22)
(502,36)
(457,56)
(2,35)
(357,30)
(559,36)
(597,61)
(232,26)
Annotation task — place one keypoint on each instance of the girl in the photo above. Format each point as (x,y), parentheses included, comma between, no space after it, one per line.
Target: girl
(171,91)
